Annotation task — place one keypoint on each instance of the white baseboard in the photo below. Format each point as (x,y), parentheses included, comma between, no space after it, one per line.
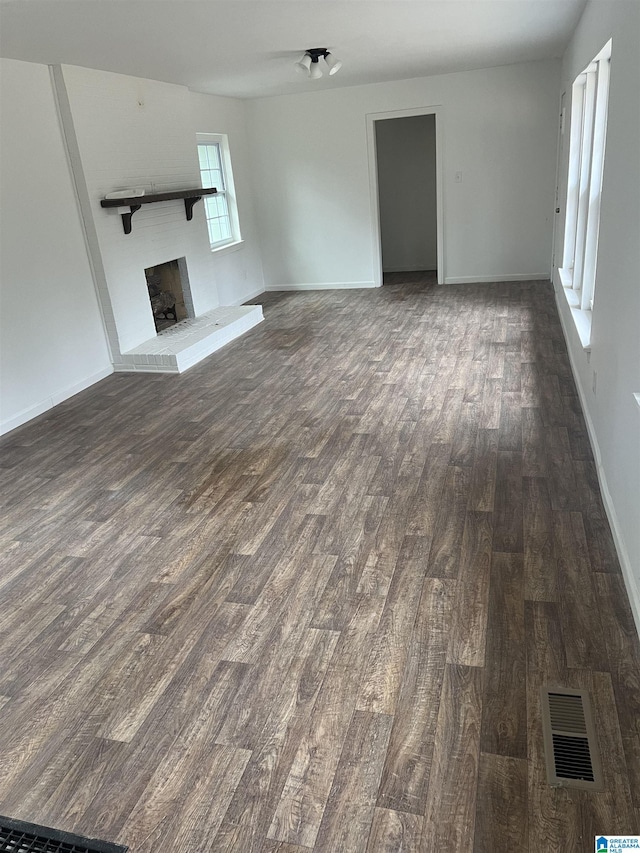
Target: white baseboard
(633,589)
(322,285)
(58,397)
(483,279)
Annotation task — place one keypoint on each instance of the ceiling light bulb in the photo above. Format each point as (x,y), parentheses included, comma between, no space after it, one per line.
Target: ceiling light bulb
(316,72)
(333,63)
(304,65)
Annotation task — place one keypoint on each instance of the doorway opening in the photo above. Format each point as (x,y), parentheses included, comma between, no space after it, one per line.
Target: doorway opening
(405,169)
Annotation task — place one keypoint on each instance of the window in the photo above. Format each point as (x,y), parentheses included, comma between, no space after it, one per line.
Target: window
(589,99)
(215,171)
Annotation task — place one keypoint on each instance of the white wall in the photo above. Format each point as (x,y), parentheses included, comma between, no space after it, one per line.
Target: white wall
(311,167)
(238,271)
(406,158)
(613,415)
(52,339)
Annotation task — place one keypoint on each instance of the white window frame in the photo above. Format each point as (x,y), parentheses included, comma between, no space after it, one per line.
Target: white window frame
(589,102)
(226,193)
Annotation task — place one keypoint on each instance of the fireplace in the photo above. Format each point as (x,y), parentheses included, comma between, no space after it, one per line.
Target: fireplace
(169,293)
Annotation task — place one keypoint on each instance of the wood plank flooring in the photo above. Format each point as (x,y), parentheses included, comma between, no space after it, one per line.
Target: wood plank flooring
(304,596)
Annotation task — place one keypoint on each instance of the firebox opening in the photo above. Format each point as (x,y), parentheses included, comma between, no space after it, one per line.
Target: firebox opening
(169,293)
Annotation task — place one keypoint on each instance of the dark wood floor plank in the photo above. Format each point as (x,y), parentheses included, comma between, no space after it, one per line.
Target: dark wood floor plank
(255,703)
(576,427)
(155,824)
(335,604)
(483,476)
(504,709)
(510,430)
(467,639)
(424,511)
(501,811)
(560,470)
(582,627)
(383,673)
(444,556)
(260,788)
(508,509)
(279,597)
(495,364)
(449,821)
(79,786)
(122,786)
(394,832)
(463,442)
(271,846)
(602,550)
(349,813)
(535,460)
(447,423)
(491,404)
(513,366)
(540,567)
(407,767)
(551,395)
(530,384)
(304,797)
(474,387)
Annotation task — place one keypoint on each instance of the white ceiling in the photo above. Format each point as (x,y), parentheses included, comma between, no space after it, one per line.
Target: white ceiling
(247,48)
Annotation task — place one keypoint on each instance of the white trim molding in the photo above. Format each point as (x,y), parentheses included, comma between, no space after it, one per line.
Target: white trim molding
(484,279)
(323,285)
(437,111)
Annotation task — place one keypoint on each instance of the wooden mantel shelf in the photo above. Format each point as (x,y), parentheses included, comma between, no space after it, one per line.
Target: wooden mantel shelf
(135,202)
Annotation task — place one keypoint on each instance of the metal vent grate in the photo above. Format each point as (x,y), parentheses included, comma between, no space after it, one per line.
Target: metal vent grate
(570,740)
(16,836)
(567,713)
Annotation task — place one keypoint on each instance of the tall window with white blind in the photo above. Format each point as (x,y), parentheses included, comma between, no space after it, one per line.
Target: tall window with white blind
(215,171)
(589,101)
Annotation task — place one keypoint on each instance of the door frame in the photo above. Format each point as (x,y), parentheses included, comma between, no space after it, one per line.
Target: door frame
(372,118)
(560,197)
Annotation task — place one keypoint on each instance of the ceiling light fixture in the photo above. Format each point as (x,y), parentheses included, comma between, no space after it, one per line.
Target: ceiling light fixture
(310,62)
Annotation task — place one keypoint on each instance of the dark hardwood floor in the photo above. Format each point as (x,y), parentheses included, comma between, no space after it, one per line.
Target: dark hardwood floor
(305,595)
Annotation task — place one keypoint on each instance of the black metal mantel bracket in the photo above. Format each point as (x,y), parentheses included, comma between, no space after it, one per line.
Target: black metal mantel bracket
(126,217)
(134,203)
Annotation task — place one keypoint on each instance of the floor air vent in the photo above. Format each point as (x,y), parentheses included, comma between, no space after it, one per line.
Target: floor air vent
(570,744)
(19,837)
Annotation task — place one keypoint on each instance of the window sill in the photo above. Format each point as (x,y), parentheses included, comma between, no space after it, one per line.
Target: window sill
(581,317)
(227,248)
(582,320)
